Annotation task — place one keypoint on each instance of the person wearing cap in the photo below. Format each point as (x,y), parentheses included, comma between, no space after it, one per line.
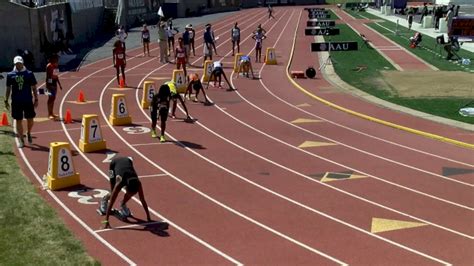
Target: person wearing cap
(122,174)
(21,84)
(162,41)
(235,37)
(192,34)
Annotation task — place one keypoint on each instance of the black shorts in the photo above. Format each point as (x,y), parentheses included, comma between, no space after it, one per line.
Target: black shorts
(162,110)
(217,71)
(146,40)
(197,86)
(23,110)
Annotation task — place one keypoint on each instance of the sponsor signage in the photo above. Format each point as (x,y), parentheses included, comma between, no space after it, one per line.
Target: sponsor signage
(321,23)
(310,9)
(321,31)
(319,15)
(333,46)
(318,12)
(462,27)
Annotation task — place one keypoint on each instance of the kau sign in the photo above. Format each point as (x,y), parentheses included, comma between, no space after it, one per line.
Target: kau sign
(321,31)
(333,46)
(321,23)
(319,14)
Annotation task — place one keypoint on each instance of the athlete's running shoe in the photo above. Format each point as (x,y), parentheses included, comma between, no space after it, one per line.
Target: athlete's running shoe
(162,138)
(124,211)
(153,133)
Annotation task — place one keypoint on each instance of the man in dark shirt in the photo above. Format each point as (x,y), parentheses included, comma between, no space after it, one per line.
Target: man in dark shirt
(208,43)
(21,84)
(122,174)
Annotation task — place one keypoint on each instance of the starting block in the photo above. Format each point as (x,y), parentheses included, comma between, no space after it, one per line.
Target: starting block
(297,74)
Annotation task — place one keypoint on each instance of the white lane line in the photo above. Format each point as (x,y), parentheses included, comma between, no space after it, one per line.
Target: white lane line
(354,148)
(106,176)
(309,178)
(72,214)
(155,175)
(205,195)
(151,143)
(282,196)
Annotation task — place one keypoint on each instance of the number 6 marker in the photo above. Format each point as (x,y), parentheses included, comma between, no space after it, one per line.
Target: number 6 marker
(119,111)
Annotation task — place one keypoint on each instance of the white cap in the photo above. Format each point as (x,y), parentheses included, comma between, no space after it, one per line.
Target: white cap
(18,59)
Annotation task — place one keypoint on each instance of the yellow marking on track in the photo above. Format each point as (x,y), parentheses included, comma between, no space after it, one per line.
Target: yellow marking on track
(309,144)
(40,119)
(303,105)
(330,176)
(384,225)
(305,120)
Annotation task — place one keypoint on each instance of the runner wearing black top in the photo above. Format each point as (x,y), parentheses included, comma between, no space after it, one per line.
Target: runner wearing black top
(122,174)
(146,40)
(160,104)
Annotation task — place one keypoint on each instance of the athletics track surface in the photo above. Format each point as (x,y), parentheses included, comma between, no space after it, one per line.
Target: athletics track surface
(266,175)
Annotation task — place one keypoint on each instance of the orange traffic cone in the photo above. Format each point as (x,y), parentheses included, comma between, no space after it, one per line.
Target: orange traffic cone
(4,120)
(81,97)
(68,118)
(122,83)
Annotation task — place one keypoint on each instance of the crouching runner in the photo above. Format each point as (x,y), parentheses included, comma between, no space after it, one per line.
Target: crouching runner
(122,174)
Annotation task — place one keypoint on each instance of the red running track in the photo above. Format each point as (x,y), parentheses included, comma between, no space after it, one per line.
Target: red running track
(236,187)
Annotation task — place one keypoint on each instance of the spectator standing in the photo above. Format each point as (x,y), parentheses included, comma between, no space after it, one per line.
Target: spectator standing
(146,40)
(208,43)
(192,34)
(162,41)
(122,36)
(424,12)
(235,37)
(449,18)
(187,41)
(410,17)
(52,82)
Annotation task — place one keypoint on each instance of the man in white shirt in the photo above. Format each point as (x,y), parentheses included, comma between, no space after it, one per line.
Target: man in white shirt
(122,35)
